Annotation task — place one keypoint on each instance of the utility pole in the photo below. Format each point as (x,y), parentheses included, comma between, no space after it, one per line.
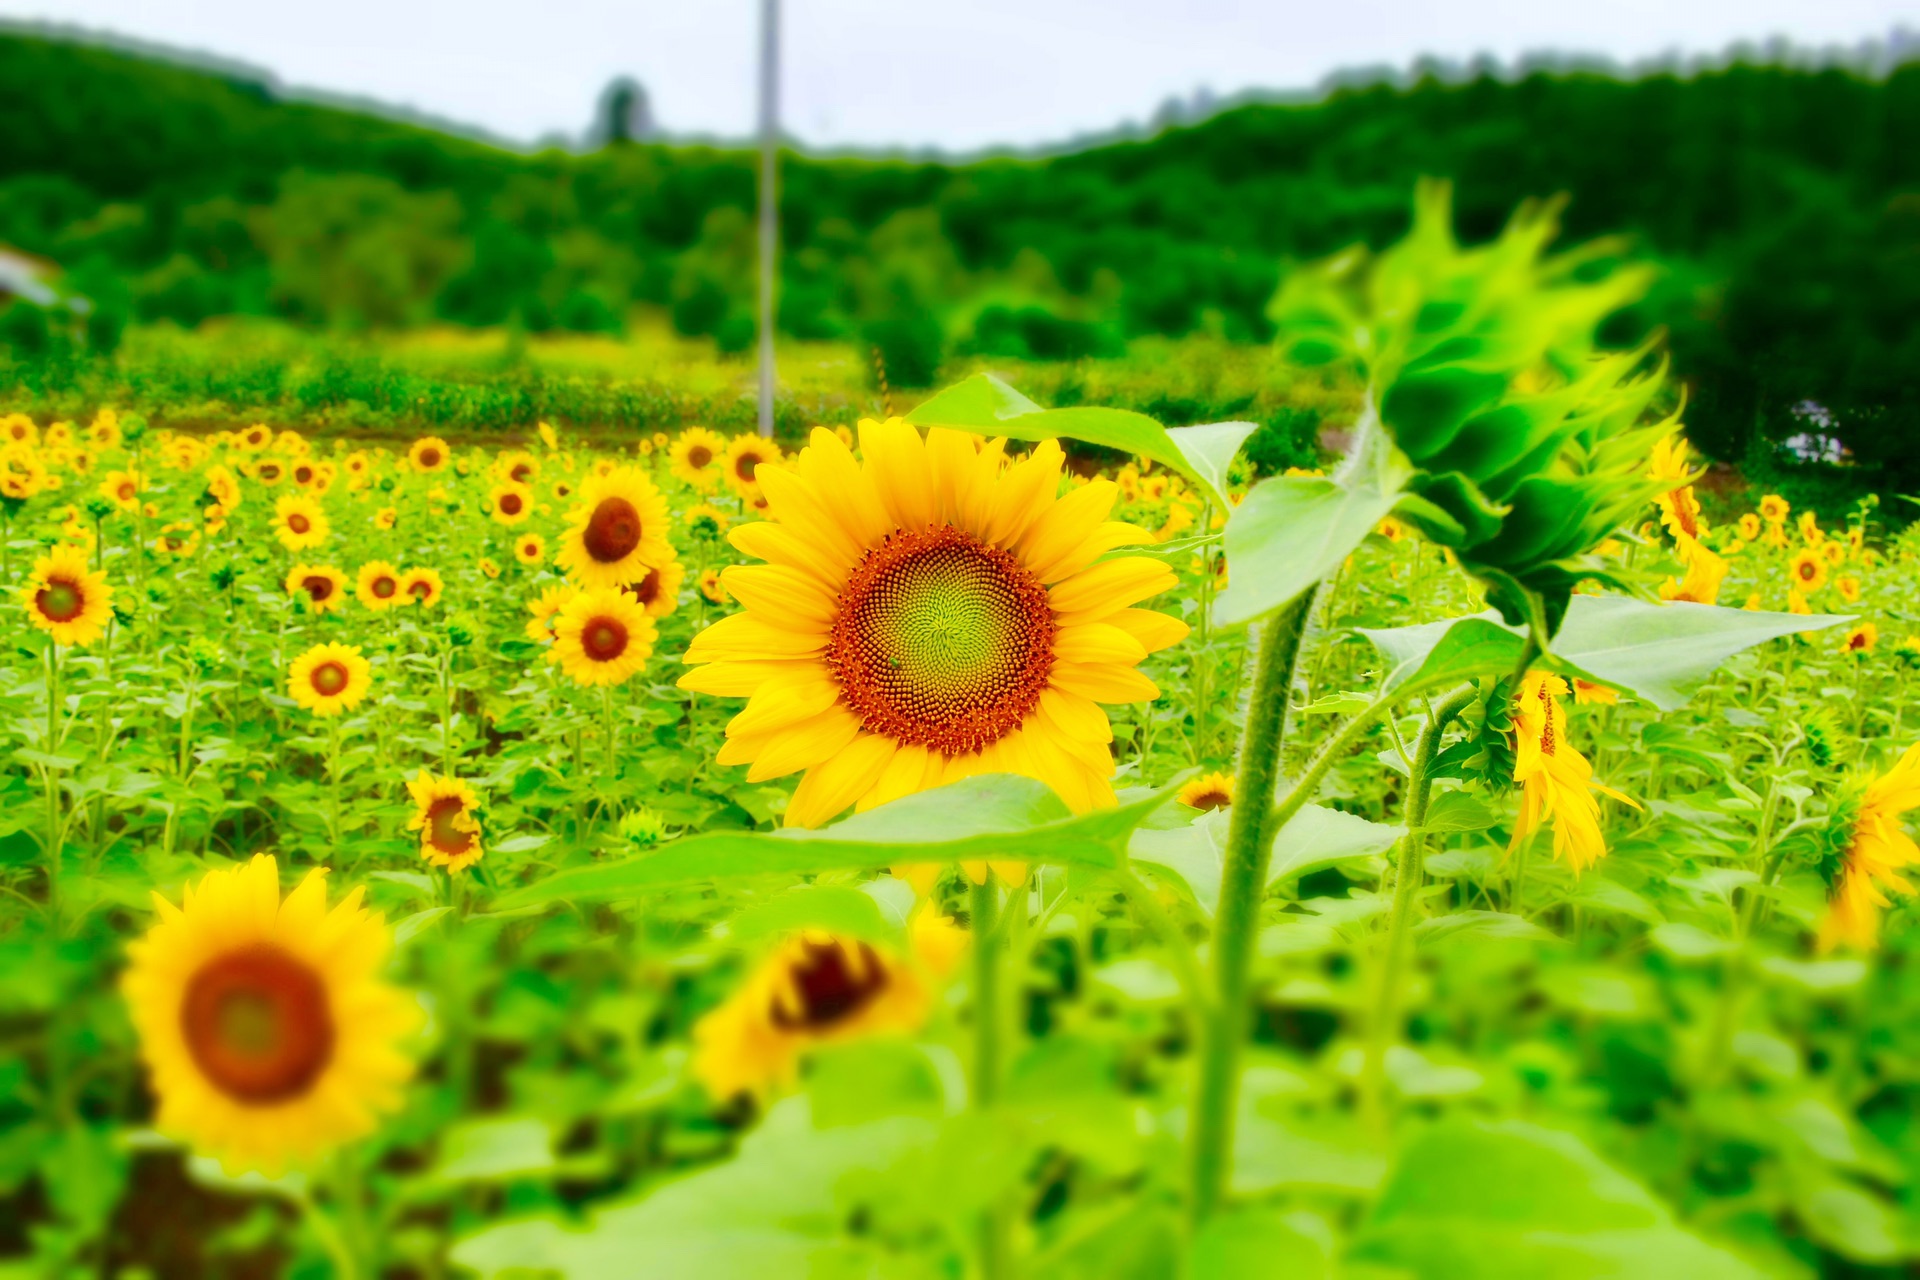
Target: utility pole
(769,197)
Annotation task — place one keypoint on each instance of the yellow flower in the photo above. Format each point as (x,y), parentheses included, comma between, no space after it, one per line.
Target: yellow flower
(1774,509)
(1876,852)
(618,530)
(712,589)
(66,599)
(1862,639)
(547,436)
(659,592)
(445,813)
(329,678)
(269,1037)
(705,520)
(299,522)
(223,486)
(325,587)
(517,466)
(1587,693)
(602,636)
(745,456)
(1847,585)
(1705,572)
(1808,570)
(817,989)
(123,489)
(18,428)
(1390,529)
(429,453)
(512,502)
(1797,602)
(385,518)
(544,607)
(530,548)
(1753,602)
(421,587)
(1810,532)
(1208,791)
(488,568)
(268,471)
(177,538)
(253,439)
(1679,509)
(696,455)
(1835,552)
(1556,780)
(1750,527)
(928,615)
(378,586)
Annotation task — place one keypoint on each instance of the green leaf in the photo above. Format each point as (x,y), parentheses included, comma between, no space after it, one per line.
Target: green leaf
(1479,924)
(494,1150)
(404,931)
(837,908)
(998,816)
(1851,1222)
(1458,811)
(1289,533)
(1256,1244)
(1210,450)
(1313,838)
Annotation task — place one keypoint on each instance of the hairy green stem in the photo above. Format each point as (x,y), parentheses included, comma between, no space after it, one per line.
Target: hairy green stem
(989,1054)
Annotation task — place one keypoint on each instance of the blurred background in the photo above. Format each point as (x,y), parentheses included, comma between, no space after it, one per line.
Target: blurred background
(376,217)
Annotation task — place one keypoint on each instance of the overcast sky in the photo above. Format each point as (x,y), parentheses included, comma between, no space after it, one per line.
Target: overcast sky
(909,72)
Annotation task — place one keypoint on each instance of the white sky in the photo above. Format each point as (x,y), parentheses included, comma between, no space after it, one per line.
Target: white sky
(909,72)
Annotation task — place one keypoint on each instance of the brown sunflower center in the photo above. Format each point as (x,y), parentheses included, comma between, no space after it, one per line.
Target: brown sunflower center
(269,471)
(746,465)
(258,1024)
(329,678)
(419,588)
(298,523)
(942,641)
(699,456)
(613,531)
(443,830)
(384,587)
(303,475)
(522,472)
(603,639)
(647,590)
(61,600)
(126,492)
(511,504)
(319,587)
(1210,799)
(831,987)
(429,458)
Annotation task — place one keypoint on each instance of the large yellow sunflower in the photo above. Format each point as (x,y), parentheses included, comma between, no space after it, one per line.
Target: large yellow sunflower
(696,457)
(617,531)
(429,453)
(745,456)
(324,586)
(602,636)
(265,1026)
(378,586)
(512,502)
(299,522)
(445,814)
(66,599)
(927,615)
(659,592)
(329,678)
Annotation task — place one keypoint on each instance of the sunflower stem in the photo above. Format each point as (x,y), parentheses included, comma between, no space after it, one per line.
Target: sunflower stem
(54,835)
(989,1050)
(1243,879)
(333,779)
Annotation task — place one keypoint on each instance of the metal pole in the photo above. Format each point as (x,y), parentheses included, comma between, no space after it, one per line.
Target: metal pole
(769,197)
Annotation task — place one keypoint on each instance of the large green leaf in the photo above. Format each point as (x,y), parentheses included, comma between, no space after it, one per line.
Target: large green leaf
(1210,449)
(1290,532)
(998,816)
(1491,1200)
(1313,838)
(1659,652)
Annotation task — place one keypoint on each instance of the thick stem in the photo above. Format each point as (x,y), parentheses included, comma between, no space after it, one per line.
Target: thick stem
(1243,880)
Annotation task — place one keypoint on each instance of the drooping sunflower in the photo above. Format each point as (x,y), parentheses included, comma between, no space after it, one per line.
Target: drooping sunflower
(1208,791)
(429,453)
(1876,852)
(926,615)
(299,522)
(1679,509)
(1807,569)
(422,587)
(1556,781)
(530,548)
(446,814)
(1705,571)
(617,531)
(329,678)
(696,457)
(602,636)
(1810,531)
(544,607)
(64,598)
(323,586)
(512,502)
(817,989)
(123,489)
(659,592)
(745,456)
(267,1031)
(378,586)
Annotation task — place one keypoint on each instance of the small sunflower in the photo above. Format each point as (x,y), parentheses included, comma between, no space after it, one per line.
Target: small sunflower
(1876,853)
(517,466)
(696,457)
(256,438)
(1835,552)
(446,814)
(563,489)
(1749,526)
(1847,585)
(544,607)
(323,587)
(18,428)
(1808,570)
(512,502)
(269,1037)
(1774,509)
(268,471)
(618,530)
(712,589)
(422,587)
(602,637)
(385,518)
(1861,639)
(66,599)
(177,539)
(745,456)
(659,592)
(429,453)
(488,569)
(223,486)
(305,473)
(329,678)
(123,489)
(1810,531)
(1208,791)
(378,586)
(530,548)
(299,522)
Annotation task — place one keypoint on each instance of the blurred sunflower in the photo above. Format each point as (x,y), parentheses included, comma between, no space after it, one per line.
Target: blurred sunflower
(712,589)
(378,586)
(1861,639)
(602,636)
(659,592)
(1810,531)
(704,520)
(255,438)
(299,522)
(1749,527)
(617,532)
(1875,852)
(543,608)
(488,569)
(1848,586)
(385,518)
(1556,780)
(268,471)
(329,678)
(512,502)
(64,598)
(123,489)
(1704,573)
(1834,552)
(422,587)
(304,473)
(562,490)
(517,466)
(429,453)
(1208,791)
(530,548)
(696,457)
(18,428)
(1807,569)
(547,436)
(268,1034)
(223,486)
(446,814)
(177,539)
(324,587)
(928,615)
(1774,509)
(745,456)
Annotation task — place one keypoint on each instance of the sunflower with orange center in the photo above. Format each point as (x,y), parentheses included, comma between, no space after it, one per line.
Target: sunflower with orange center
(517,466)
(1861,639)
(659,592)
(177,539)
(377,586)
(930,614)
(712,589)
(422,587)
(123,489)
(446,814)
(1808,570)
(697,455)
(329,679)
(323,587)
(223,486)
(530,548)
(1207,792)
(745,456)
(255,438)
(616,532)
(602,637)
(299,522)
(429,453)
(512,502)
(66,599)
(543,609)
(268,471)
(267,1032)
(385,518)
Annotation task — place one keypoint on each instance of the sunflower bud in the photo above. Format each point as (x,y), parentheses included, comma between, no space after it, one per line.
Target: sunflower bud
(204,656)
(223,577)
(99,508)
(643,827)
(133,428)
(459,634)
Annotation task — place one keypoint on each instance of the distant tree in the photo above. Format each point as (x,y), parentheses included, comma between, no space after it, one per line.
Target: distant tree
(623,114)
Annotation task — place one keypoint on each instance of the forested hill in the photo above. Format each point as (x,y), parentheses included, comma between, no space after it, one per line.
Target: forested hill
(1784,202)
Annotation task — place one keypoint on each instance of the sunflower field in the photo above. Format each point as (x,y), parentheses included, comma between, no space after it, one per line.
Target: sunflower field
(992,841)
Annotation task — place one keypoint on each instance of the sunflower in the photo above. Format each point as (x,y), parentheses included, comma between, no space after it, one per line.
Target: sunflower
(223,486)
(1679,509)
(422,587)
(618,530)
(543,608)
(268,471)
(1797,602)
(446,814)
(815,989)
(123,489)
(323,587)
(602,636)
(1810,531)
(1586,693)
(928,615)
(696,455)
(1807,569)
(358,468)
(704,520)
(1848,586)
(429,453)
(378,586)
(712,589)
(299,522)
(22,474)
(268,1034)
(488,569)
(512,502)
(385,518)
(745,456)
(292,443)
(1876,851)
(530,548)
(562,490)
(177,538)
(1835,553)
(1557,781)
(1753,602)
(256,438)
(659,592)
(1705,571)
(1861,639)
(305,473)
(1750,527)
(18,428)
(329,678)
(66,599)
(1208,791)
(1774,509)
(517,466)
